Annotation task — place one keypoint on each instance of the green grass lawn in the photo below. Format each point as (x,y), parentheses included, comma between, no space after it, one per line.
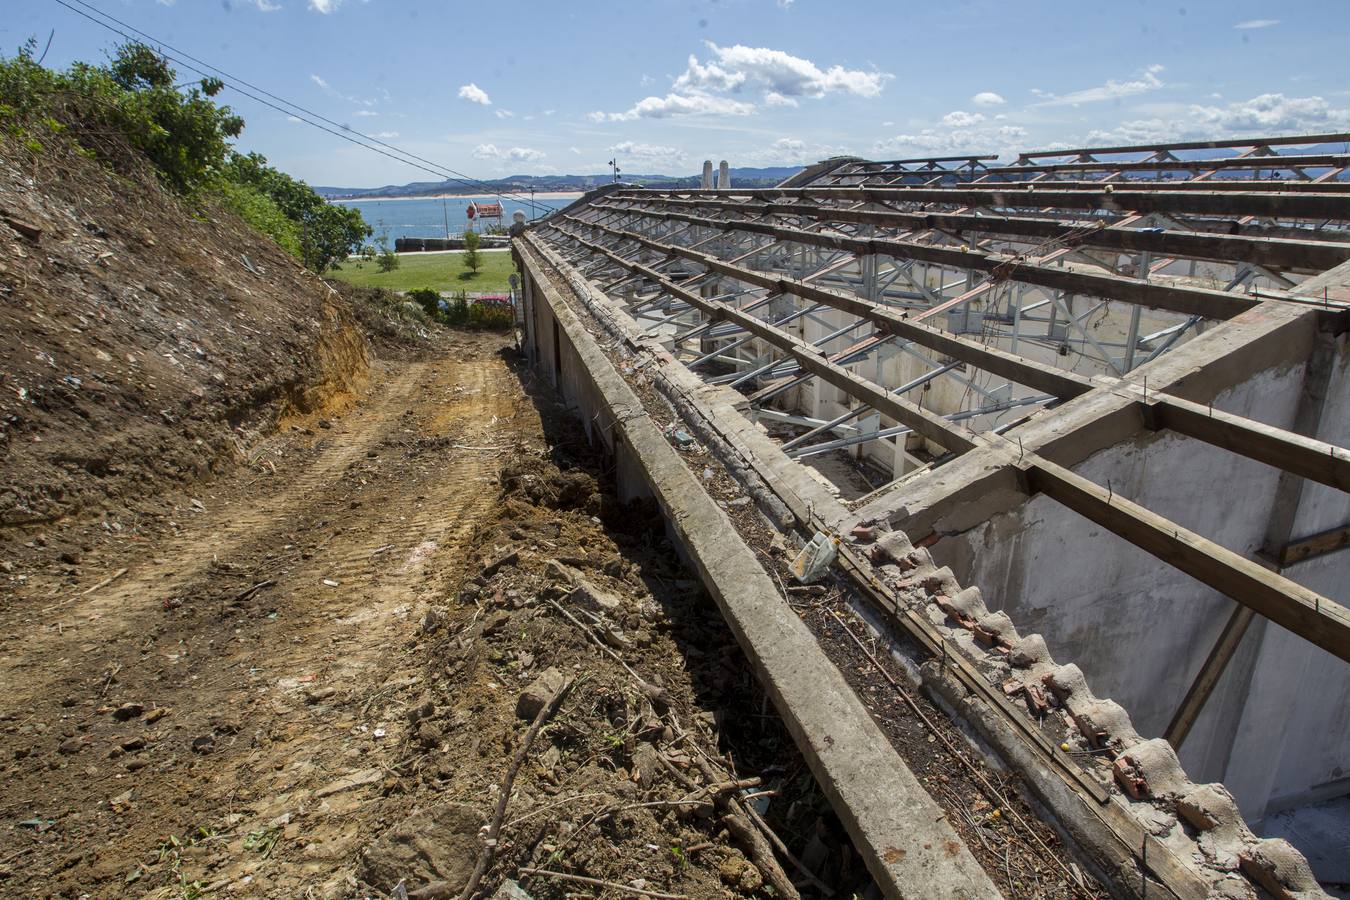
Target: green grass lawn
(439,271)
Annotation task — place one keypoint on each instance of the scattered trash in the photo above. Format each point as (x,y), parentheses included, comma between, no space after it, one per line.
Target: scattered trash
(815,558)
(331,582)
(38,825)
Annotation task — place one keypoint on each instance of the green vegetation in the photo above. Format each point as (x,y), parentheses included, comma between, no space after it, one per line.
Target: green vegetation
(387,260)
(472,258)
(132,109)
(461,312)
(438,271)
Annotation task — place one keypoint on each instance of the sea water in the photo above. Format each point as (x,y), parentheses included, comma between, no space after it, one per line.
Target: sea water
(427,218)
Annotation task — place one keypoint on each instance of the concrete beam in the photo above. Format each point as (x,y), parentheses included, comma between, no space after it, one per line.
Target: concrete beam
(902,834)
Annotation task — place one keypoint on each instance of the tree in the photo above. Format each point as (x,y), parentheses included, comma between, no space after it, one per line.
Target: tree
(329,232)
(134,103)
(388,260)
(471,258)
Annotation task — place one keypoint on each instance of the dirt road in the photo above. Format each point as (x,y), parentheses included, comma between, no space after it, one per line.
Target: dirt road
(239,673)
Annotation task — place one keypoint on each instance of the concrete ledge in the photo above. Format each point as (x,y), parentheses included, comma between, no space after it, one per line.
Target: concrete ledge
(902,834)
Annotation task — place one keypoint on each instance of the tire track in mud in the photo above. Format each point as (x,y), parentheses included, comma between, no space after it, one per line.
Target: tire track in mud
(276,702)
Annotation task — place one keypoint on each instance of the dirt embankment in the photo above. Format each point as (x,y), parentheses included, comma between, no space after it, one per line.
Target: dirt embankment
(315,686)
(145,345)
(273,608)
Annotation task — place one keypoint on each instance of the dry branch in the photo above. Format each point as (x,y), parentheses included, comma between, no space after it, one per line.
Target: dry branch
(504,789)
(582,879)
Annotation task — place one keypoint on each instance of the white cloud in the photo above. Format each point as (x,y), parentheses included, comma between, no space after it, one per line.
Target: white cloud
(504,114)
(265,6)
(793,76)
(671,105)
(1271,113)
(575,150)
(645,152)
(961,119)
(385,135)
(1263,114)
(334,92)
(712,77)
(1256,23)
(999,139)
(788,151)
(474,94)
(324,6)
(596,116)
(1147,80)
(509,154)
(365,113)
(714,87)
(987,98)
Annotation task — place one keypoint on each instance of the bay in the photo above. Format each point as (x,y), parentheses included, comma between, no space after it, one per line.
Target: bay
(426,217)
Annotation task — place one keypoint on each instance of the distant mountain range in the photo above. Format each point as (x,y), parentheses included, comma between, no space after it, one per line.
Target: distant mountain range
(746,177)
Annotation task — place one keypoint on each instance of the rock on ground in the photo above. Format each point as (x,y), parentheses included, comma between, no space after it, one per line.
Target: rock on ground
(436,845)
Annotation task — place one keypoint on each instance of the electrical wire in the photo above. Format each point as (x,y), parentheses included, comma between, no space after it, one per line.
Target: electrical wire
(347,133)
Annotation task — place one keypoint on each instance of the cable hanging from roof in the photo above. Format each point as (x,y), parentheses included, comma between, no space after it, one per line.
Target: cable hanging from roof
(293,109)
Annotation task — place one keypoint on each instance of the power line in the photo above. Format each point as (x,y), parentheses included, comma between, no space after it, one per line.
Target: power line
(294,110)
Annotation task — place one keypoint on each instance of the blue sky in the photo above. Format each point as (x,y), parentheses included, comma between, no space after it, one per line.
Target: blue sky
(492,89)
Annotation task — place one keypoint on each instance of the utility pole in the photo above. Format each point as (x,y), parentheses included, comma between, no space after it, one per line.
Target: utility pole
(614,164)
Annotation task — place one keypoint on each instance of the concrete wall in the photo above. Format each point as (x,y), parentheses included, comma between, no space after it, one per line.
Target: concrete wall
(1277,729)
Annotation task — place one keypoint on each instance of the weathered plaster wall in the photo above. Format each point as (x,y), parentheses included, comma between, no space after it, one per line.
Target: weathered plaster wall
(1277,729)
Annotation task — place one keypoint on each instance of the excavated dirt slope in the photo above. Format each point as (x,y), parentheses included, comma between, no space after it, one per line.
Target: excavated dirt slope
(276,610)
(145,345)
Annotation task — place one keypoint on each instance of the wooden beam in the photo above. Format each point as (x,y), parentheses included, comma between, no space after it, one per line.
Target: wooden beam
(1289,452)
(1020,369)
(1307,457)
(811,359)
(1208,677)
(1189,301)
(1273,163)
(1227,143)
(1308,614)
(1275,252)
(1315,545)
(1276,204)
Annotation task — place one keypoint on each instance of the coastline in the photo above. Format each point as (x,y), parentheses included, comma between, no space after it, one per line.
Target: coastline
(539,195)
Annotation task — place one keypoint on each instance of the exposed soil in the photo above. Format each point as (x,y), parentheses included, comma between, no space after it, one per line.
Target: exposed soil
(263,645)
(147,345)
(257,635)
(315,653)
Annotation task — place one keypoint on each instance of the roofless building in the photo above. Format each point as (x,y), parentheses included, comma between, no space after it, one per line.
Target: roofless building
(1079,423)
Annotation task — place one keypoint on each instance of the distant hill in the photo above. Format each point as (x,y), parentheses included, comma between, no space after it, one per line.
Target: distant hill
(744,177)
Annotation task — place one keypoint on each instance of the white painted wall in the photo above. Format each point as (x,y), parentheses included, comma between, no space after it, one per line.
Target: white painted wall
(1277,730)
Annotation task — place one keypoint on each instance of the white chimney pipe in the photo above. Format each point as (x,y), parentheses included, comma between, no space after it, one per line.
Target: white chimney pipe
(707,175)
(723,176)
